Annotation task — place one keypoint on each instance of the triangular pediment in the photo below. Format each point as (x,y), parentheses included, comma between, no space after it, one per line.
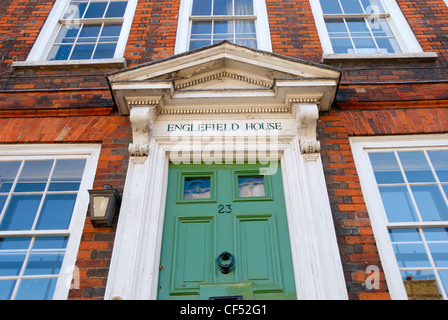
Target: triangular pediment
(230,73)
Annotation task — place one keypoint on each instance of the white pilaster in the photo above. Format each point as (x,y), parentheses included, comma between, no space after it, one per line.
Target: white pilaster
(316,259)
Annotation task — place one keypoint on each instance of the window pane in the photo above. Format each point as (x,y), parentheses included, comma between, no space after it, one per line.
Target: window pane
(46,256)
(330,7)
(411,255)
(202,8)
(89,33)
(387,45)
(439,161)
(421,285)
(408,248)
(21,212)
(60,52)
(56,212)
(96,10)
(365,45)
(417,275)
(8,172)
(251,186)
(198,44)
(380,28)
(385,167)
(67,175)
(397,203)
(351,6)
(2,202)
(105,51)
(116,9)
(34,176)
(197,188)
(444,276)
(342,46)
(223,30)
(222,7)
(404,235)
(415,166)
(430,203)
(75,10)
(438,245)
(36,289)
(6,289)
(247,43)
(373,6)
(358,28)
(201,27)
(245,28)
(83,51)
(110,33)
(67,34)
(244,7)
(336,28)
(12,255)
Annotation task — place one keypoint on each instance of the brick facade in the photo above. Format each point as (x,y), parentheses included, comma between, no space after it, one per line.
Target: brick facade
(74,105)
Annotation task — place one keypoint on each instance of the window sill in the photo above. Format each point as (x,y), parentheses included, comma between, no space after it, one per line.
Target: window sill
(120,62)
(383,57)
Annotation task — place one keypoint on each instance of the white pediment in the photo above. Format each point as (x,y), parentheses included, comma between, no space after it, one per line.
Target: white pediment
(223,76)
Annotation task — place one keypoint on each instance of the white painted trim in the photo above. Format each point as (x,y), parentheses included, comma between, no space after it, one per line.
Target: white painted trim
(134,269)
(314,249)
(135,261)
(183,26)
(50,30)
(360,146)
(91,153)
(407,41)
(96,62)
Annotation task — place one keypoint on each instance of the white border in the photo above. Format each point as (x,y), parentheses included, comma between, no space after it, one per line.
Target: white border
(407,41)
(91,153)
(360,147)
(183,26)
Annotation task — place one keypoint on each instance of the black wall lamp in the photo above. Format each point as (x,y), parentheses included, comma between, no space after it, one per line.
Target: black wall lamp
(104,204)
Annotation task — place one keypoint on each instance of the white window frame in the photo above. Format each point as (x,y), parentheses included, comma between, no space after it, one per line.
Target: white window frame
(403,33)
(50,30)
(360,147)
(90,152)
(184,26)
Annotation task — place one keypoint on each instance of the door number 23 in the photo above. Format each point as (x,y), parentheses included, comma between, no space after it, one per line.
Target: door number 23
(224,208)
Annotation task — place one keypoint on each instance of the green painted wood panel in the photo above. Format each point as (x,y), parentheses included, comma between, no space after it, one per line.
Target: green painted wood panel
(226,208)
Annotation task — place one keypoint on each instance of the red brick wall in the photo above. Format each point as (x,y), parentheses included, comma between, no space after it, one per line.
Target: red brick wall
(153,32)
(293,31)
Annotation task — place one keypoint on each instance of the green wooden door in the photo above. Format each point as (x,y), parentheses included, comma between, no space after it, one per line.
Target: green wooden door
(212,209)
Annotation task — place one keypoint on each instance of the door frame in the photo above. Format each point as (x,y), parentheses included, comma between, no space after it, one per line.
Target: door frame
(134,270)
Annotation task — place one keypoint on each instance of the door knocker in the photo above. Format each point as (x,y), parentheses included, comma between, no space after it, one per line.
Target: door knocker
(225,256)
